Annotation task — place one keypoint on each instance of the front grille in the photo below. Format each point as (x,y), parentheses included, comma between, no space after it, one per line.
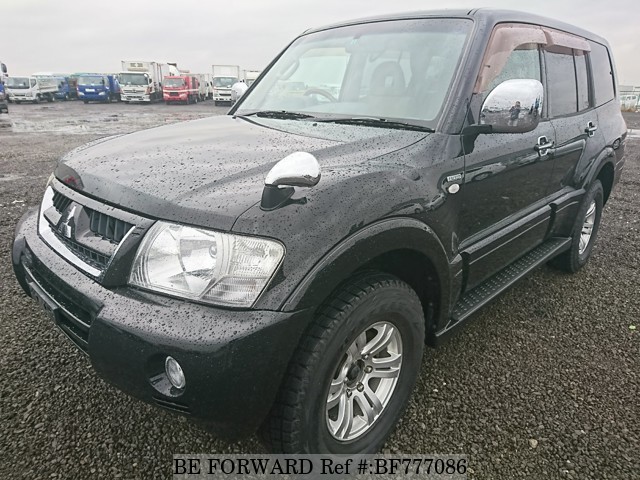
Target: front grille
(60,202)
(87,255)
(84,235)
(174,94)
(107,227)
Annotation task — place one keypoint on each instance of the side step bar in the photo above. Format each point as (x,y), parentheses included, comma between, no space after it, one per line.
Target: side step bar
(479,296)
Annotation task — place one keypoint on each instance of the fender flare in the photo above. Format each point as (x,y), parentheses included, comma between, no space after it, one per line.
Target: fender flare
(607,155)
(368,243)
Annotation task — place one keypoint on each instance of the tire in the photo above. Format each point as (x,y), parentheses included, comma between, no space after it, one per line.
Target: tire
(37,99)
(589,215)
(300,420)
(86,101)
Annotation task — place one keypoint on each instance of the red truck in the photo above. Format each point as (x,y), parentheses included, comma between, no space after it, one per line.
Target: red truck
(180,88)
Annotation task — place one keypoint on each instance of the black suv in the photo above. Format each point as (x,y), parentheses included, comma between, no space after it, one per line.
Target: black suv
(280,268)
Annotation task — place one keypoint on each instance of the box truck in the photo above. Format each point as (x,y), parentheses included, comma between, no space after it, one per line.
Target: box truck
(141,81)
(224,76)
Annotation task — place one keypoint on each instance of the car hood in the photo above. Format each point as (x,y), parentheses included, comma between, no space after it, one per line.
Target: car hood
(208,172)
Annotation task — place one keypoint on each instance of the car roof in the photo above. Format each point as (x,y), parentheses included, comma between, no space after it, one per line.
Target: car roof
(488,17)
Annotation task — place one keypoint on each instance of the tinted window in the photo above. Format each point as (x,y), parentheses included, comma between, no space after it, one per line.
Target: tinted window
(583,79)
(398,69)
(602,74)
(562,89)
(523,63)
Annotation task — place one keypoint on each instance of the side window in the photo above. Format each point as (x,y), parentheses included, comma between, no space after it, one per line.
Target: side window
(523,63)
(580,58)
(602,74)
(562,88)
(512,53)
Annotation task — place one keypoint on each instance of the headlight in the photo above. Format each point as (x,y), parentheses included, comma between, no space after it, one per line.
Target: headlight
(204,265)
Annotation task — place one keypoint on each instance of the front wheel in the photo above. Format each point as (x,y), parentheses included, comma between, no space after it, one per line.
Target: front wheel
(353,372)
(585,230)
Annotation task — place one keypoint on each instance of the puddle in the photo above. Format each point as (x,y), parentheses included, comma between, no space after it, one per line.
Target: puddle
(101,125)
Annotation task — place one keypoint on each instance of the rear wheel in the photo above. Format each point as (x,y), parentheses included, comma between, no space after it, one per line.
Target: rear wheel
(353,372)
(585,230)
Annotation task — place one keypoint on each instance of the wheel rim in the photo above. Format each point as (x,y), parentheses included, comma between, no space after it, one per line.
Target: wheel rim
(587,227)
(364,381)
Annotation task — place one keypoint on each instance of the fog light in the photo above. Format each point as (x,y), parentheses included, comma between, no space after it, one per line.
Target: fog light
(174,372)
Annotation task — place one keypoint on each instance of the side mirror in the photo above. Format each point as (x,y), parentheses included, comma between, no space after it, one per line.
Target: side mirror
(300,169)
(514,106)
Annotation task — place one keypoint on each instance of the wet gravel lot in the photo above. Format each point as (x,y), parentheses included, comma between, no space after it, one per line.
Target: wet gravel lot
(543,383)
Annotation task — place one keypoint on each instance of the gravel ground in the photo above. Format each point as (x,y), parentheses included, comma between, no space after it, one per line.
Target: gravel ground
(543,383)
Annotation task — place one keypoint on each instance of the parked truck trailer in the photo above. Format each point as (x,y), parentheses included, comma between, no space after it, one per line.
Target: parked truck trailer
(224,76)
(141,81)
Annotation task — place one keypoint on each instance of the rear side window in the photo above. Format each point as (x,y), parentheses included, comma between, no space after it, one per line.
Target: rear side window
(602,74)
(562,88)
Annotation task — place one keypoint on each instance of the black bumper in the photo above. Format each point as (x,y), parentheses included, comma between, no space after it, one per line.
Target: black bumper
(233,361)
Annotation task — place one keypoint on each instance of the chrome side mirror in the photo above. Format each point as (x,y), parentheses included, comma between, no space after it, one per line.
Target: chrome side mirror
(514,106)
(300,169)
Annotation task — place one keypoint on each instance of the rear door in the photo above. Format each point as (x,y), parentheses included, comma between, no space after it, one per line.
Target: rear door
(572,113)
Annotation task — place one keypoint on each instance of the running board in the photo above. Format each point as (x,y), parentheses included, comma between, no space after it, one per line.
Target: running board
(479,296)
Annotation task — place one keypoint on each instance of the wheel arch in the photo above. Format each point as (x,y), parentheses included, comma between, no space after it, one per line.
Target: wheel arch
(602,169)
(403,247)
(606,176)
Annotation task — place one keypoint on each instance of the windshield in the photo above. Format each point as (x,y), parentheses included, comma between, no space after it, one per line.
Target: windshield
(398,69)
(93,80)
(224,82)
(17,82)
(133,79)
(173,82)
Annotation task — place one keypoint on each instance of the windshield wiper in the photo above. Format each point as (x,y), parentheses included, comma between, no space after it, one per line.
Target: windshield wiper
(278,114)
(377,122)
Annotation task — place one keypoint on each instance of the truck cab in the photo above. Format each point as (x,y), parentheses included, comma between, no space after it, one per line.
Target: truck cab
(31,89)
(224,76)
(98,87)
(180,88)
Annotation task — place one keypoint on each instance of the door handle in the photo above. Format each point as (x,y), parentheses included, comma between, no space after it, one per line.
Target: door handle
(543,146)
(591,129)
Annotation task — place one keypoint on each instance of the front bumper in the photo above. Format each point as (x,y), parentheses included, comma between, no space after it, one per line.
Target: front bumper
(135,97)
(233,361)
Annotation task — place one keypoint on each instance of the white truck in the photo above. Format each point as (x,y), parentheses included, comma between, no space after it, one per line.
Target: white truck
(141,81)
(224,76)
(209,85)
(31,89)
(4,107)
(250,76)
(203,86)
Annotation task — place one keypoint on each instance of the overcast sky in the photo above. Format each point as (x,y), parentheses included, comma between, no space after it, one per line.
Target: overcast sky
(76,35)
